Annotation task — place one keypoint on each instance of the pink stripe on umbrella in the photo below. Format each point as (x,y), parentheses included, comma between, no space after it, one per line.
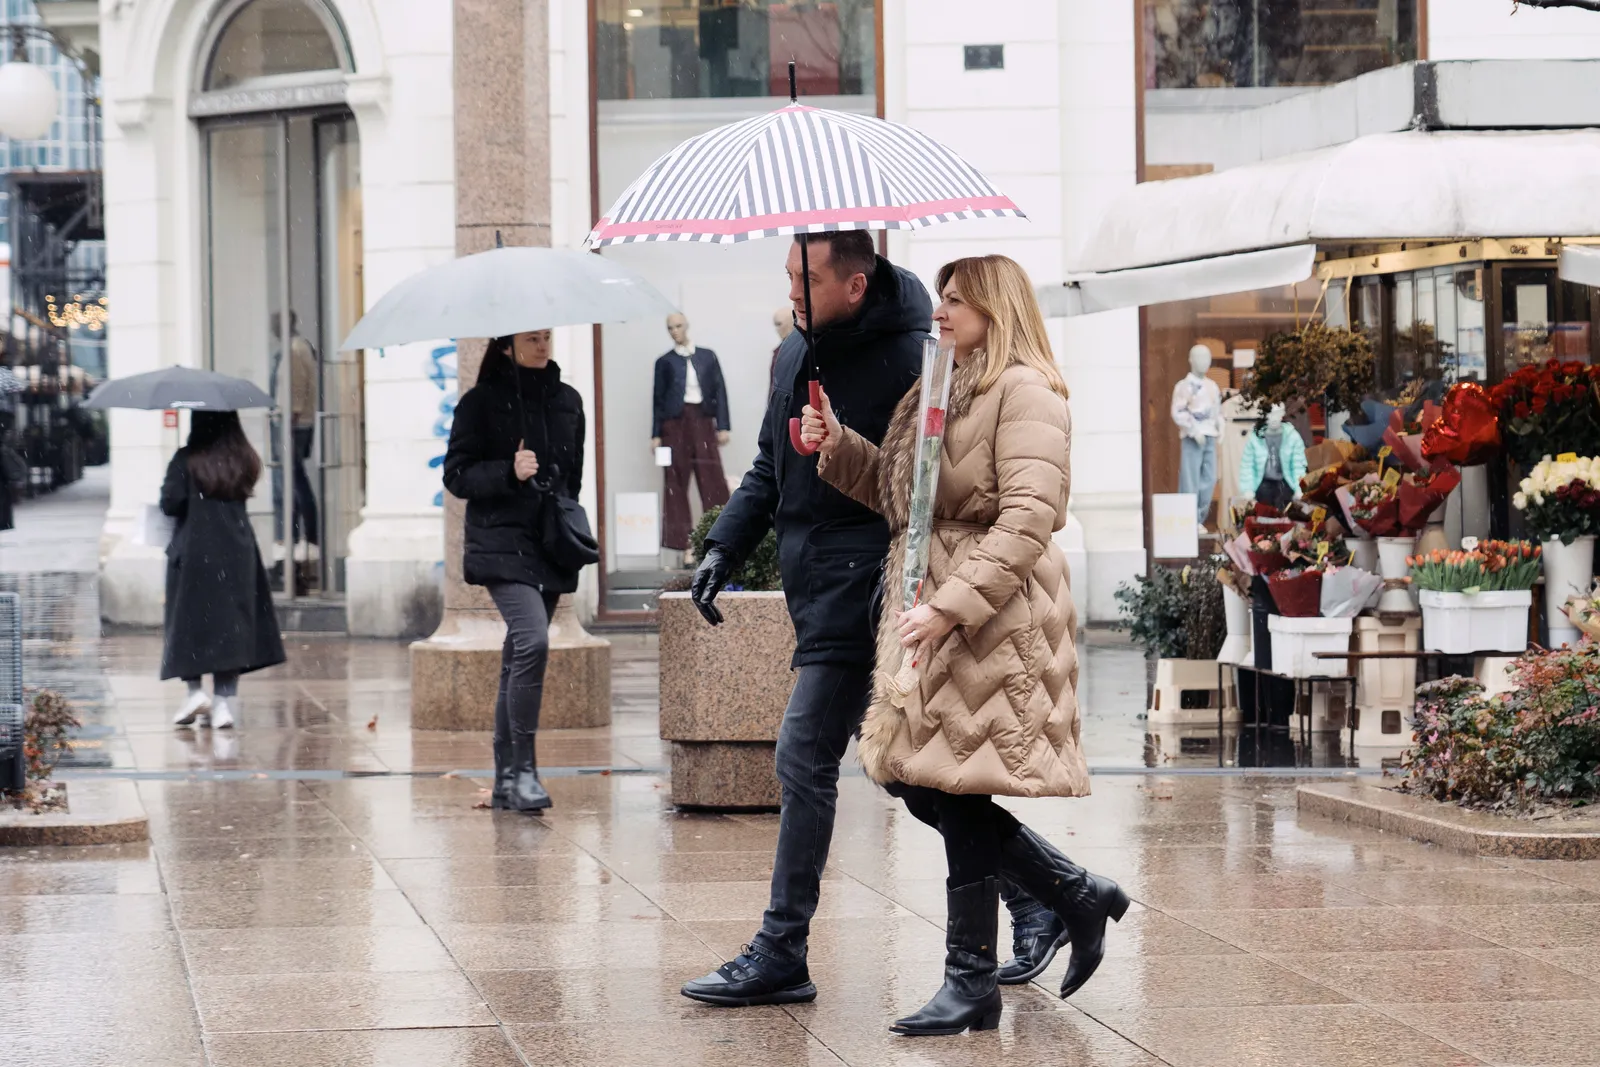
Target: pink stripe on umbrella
(605,229)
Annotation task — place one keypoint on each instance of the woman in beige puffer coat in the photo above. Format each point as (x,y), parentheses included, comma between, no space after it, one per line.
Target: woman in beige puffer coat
(992,709)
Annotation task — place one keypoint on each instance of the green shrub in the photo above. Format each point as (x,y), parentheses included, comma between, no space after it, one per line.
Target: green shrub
(759,573)
(1175,613)
(1538,743)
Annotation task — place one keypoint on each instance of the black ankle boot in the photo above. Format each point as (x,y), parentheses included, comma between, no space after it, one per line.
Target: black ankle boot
(1037,933)
(970,997)
(500,798)
(1084,901)
(527,792)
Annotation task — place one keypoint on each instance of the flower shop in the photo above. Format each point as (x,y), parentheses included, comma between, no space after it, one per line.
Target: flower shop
(1407,441)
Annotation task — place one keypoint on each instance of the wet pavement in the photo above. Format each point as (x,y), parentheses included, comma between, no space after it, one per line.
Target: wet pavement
(320,889)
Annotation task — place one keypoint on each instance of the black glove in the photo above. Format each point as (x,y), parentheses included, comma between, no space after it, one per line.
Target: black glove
(709,578)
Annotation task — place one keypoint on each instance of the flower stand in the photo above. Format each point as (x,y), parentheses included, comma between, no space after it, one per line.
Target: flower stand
(1385,688)
(1185,692)
(1568,571)
(1392,553)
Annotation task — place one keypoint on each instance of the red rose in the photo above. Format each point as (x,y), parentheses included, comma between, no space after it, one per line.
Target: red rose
(1521,411)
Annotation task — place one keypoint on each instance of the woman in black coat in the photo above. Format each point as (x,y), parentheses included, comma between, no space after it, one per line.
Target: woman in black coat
(517,438)
(219,614)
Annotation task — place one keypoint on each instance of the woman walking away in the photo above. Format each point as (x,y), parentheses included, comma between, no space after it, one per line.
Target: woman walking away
(219,615)
(517,440)
(992,709)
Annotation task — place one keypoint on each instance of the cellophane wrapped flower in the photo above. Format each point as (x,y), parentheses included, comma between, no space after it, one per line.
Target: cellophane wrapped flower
(1561,498)
(1373,505)
(1483,566)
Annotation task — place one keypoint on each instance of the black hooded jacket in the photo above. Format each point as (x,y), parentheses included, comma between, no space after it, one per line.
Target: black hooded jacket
(830,548)
(502,534)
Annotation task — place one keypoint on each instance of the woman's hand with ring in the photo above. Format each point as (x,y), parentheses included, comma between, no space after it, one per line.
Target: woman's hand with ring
(820,428)
(923,623)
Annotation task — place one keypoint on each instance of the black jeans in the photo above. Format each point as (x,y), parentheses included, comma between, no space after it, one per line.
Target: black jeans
(973,827)
(824,710)
(305,499)
(527,613)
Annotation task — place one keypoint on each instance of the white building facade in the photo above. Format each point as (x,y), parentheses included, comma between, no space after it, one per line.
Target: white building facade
(273,163)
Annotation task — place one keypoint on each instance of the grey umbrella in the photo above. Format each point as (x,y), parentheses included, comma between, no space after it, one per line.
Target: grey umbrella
(179,387)
(506,291)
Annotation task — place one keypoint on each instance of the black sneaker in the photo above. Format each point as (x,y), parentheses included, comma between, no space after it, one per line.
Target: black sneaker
(752,978)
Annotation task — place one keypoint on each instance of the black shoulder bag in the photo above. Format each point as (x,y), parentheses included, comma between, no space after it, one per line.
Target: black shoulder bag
(564,531)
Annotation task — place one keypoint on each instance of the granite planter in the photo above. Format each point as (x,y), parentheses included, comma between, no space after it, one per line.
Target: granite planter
(723,691)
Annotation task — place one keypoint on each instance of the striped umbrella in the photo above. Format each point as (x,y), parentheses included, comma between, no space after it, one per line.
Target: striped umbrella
(799,170)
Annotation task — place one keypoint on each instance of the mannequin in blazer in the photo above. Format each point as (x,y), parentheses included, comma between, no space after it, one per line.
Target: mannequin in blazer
(690,416)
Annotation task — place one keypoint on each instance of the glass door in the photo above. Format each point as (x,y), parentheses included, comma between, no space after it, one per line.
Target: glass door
(283,287)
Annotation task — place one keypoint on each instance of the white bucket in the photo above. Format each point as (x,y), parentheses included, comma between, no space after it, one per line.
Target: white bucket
(1392,553)
(1568,571)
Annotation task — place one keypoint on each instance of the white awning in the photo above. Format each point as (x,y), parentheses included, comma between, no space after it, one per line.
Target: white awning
(1580,263)
(1084,294)
(1415,185)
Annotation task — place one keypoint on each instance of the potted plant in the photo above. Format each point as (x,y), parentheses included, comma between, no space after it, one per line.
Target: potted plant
(1561,501)
(1476,599)
(1314,363)
(724,688)
(1176,615)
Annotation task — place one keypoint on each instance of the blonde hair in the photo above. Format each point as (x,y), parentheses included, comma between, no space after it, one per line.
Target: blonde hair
(999,289)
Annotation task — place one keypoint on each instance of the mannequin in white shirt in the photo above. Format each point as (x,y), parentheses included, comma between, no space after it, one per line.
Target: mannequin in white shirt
(1197,411)
(689,415)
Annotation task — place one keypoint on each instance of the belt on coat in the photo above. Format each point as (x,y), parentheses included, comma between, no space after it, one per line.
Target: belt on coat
(979,528)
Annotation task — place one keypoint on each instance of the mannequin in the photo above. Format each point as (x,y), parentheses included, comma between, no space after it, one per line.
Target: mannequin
(1197,409)
(1274,461)
(783,323)
(689,416)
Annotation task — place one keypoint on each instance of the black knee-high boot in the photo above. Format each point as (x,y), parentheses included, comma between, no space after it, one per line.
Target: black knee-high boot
(970,996)
(1084,901)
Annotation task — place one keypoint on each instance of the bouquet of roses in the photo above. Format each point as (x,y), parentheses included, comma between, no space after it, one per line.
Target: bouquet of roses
(1478,566)
(1297,592)
(1561,498)
(1314,544)
(1420,495)
(1266,555)
(1372,503)
(1548,409)
(1468,428)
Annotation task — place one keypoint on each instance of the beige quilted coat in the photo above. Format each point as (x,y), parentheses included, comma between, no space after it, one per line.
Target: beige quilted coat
(995,710)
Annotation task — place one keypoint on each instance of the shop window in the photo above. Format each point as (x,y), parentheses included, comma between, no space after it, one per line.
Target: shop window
(1542,317)
(272,38)
(669,49)
(1225,44)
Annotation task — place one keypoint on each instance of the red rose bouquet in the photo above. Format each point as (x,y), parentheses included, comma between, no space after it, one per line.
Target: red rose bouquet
(1548,409)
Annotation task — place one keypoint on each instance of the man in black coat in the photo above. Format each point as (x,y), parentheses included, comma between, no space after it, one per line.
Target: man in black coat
(871,320)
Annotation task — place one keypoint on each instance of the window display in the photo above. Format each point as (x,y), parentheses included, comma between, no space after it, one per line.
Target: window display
(1226,44)
(661,49)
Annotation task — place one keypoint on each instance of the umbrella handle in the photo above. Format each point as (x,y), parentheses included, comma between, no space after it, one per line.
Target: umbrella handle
(794,424)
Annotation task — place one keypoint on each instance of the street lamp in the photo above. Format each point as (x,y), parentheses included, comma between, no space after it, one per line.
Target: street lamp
(28,98)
